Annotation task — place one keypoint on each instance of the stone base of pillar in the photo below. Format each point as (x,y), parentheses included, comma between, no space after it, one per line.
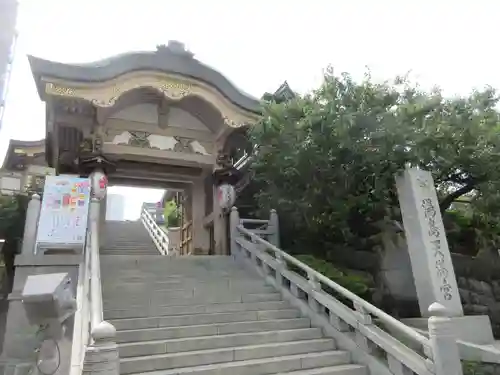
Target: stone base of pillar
(199,251)
(101,359)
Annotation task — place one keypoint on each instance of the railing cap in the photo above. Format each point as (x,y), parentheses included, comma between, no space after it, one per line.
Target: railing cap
(103,331)
(436,309)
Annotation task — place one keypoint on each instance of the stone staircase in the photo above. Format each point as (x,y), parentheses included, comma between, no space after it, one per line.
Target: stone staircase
(204,315)
(126,238)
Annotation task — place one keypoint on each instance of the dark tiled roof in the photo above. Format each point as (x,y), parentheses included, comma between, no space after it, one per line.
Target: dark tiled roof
(170,59)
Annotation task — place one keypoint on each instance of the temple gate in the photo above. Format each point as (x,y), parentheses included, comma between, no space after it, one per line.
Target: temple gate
(156,119)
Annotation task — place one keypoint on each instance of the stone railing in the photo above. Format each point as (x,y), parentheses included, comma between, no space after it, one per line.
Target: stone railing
(158,235)
(101,351)
(266,229)
(357,326)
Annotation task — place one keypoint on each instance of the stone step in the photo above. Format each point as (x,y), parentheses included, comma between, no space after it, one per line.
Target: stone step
(208,259)
(127,247)
(164,296)
(221,355)
(127,262)
(187,284)
(182,301)
(335,370)
(202,277)
(180,283)
(171,271)
(205,315)
(264,366)
(132,251)
(172,263)
(150,311)
(210,329)
(214,342)
(137,253)
(126,244)
(200,319)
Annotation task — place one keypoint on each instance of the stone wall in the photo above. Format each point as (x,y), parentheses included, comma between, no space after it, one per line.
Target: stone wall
(478,279)
(475,368)
(479,286)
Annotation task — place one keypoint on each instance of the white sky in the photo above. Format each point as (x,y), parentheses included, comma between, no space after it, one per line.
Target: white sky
(260,43)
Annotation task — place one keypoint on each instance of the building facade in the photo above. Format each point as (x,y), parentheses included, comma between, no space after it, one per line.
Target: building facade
(8,36)
(115,207)
(24,168)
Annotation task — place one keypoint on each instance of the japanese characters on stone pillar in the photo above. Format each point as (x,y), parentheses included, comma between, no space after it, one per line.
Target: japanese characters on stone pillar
(427,245)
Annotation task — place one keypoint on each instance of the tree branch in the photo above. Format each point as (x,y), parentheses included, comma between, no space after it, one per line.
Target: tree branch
(450,198)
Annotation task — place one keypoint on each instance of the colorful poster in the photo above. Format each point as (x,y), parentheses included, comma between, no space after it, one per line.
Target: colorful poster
(64,213)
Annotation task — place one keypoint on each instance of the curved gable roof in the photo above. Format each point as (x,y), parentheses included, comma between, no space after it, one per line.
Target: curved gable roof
(170,59)
(10,155)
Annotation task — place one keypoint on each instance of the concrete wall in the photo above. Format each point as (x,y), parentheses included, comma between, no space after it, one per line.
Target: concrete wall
(20,338)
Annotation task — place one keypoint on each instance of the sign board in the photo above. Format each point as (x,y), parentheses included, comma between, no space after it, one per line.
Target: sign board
(64,213)
(226,195)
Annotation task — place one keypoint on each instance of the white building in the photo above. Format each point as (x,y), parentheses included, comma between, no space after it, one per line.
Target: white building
(115,207)
(8,35)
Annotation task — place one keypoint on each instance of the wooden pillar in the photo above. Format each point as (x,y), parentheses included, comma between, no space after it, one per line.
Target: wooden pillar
(201,239)
(220,227)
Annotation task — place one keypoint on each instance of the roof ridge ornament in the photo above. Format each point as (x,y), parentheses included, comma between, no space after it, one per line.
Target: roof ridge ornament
(174,47)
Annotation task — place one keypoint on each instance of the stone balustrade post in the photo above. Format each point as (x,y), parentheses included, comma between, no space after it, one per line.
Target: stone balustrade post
(31,225)
(446,355)
(315,286)
(274,227)
(234,221)
(102,356)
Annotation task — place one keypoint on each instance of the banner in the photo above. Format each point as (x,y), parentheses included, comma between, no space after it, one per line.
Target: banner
(64,213)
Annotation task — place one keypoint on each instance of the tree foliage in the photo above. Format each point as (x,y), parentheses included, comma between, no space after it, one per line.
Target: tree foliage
(327,160)
(171,214)
(12,219)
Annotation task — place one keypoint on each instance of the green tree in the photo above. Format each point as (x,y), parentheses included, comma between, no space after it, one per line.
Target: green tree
(171,214)
(327,160)
(12,219)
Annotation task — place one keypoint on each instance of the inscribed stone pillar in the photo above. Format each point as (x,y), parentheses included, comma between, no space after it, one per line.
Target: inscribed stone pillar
(427,245)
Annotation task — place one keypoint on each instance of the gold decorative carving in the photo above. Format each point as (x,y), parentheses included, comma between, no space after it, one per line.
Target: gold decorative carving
(172,87)
(175,90)
(54,89)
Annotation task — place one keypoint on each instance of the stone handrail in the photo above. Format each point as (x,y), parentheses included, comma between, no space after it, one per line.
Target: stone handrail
(101,352)
(96,312)
(353,321)
(158,235)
